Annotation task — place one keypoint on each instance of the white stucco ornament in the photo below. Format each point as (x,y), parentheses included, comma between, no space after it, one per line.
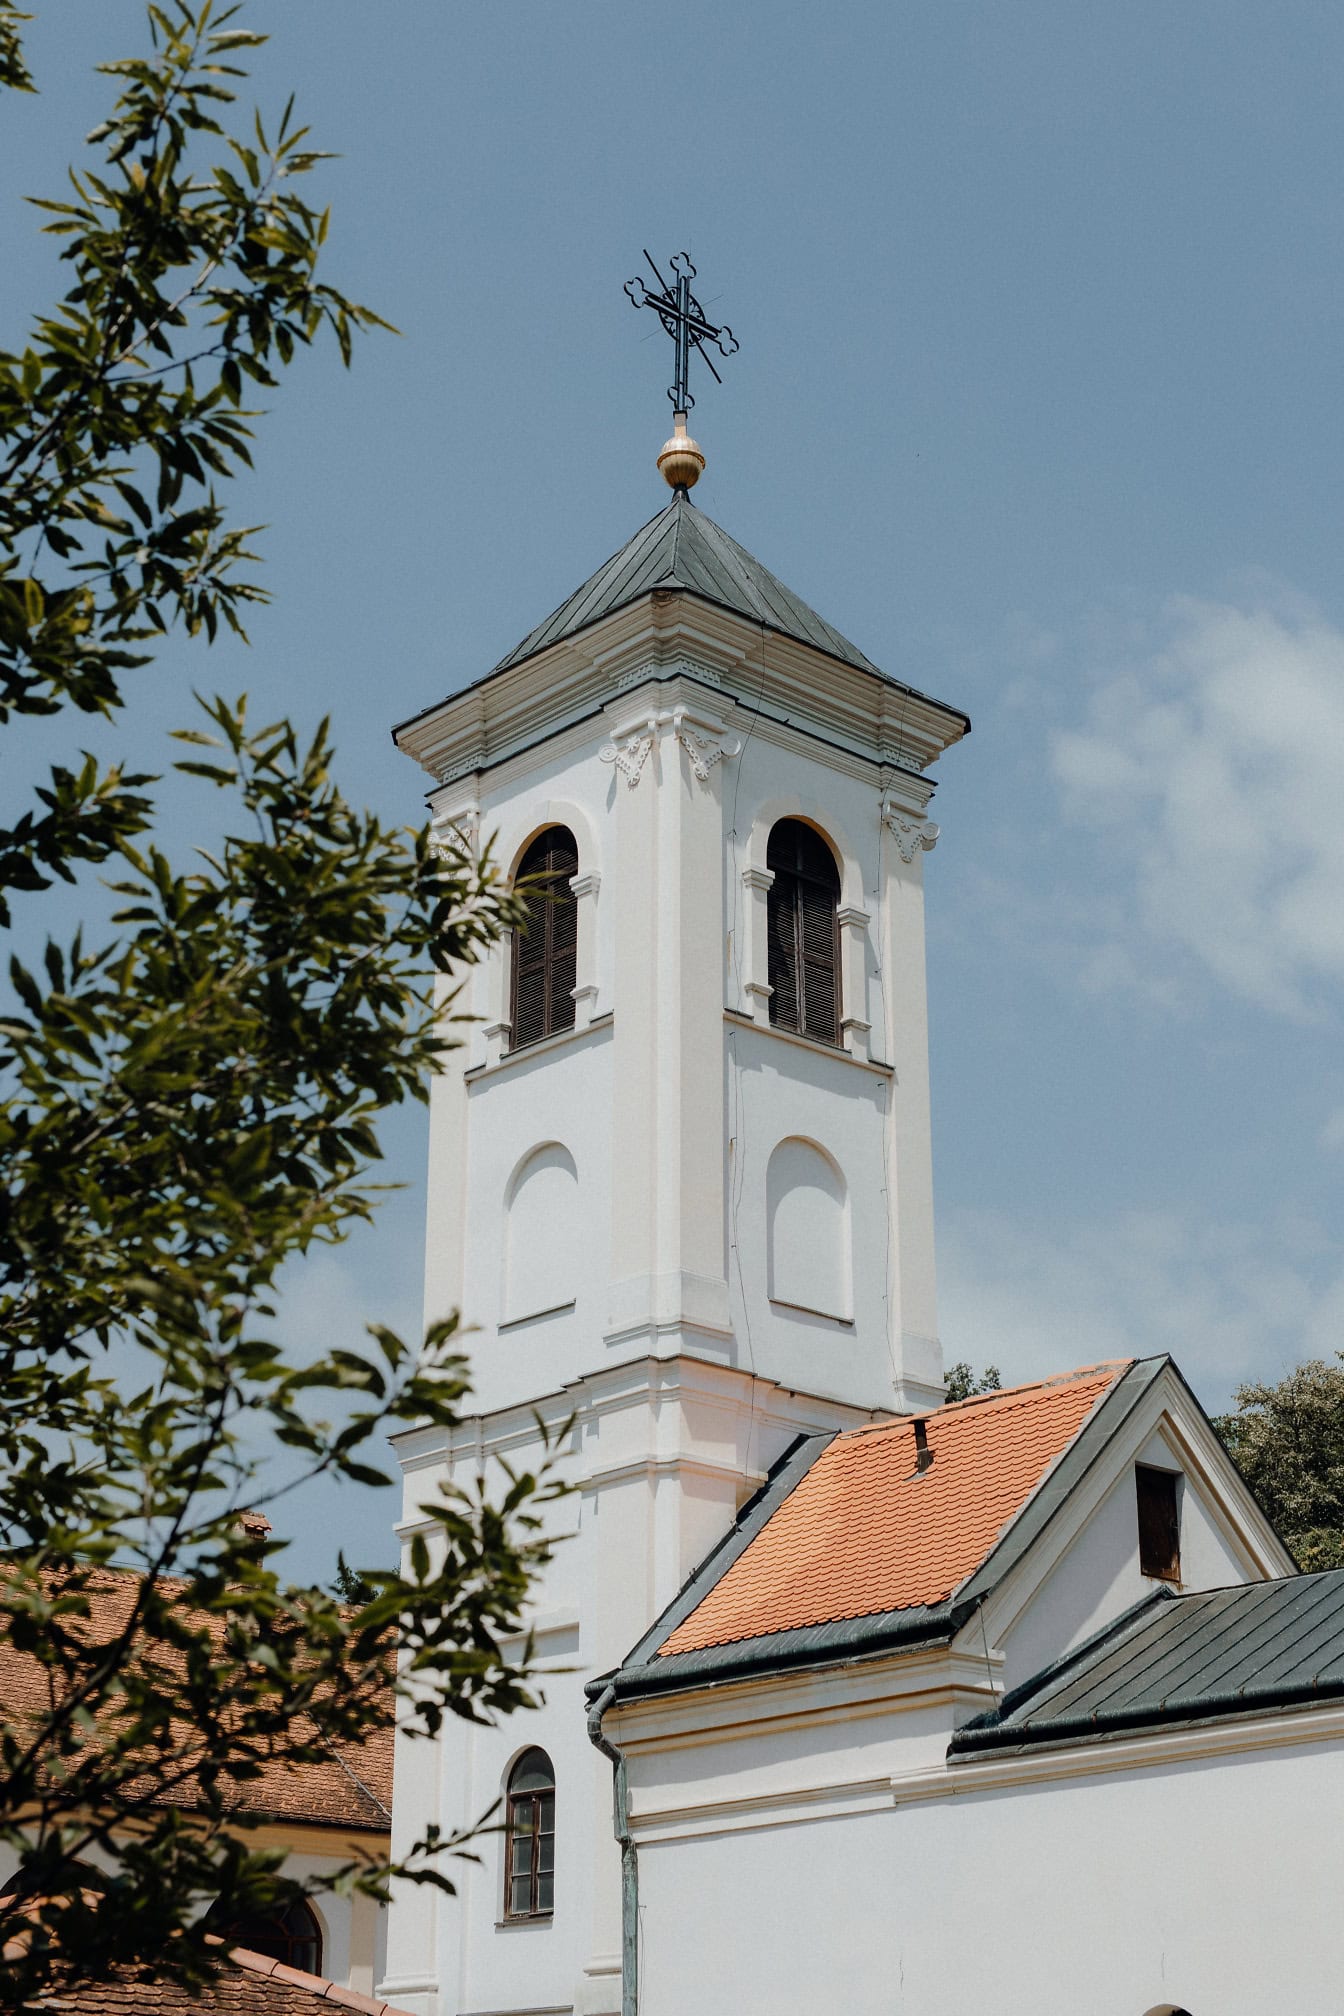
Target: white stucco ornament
(630,753)
(705,751)
(911,835)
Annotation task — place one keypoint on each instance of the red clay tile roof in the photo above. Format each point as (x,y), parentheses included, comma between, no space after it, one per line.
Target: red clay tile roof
(865,1532)
(256,1986)
(352,1790)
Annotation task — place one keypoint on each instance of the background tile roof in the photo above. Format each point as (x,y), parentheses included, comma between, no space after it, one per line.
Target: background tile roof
(865,1532)
(253,1986)
(1184,1658)
(353,1789)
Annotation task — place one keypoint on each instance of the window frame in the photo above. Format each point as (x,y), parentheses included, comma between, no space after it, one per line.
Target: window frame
(275,1930)
(788,885)
(544,907)
(533,1799)
(1158,1522)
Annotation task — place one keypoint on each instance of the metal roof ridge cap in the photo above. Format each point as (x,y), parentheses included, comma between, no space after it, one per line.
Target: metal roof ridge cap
(1131,1620)
(1180,1708)
(1085,1432)
(840,1642)
(779,1483)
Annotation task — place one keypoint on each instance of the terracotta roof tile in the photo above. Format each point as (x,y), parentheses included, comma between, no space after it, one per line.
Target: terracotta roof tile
(865,1532)
(254,1986)
(352,1790)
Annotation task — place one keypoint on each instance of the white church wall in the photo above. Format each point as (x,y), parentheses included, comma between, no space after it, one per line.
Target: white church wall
(879,1138)
(1204,1882)
(787,1102)
(1096,1575)
(537,1216)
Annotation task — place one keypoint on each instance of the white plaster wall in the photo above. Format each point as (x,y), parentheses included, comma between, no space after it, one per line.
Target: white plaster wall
(874,1124)
(1212,1885)
(560,1096)
(779,1090)
(1098,1578)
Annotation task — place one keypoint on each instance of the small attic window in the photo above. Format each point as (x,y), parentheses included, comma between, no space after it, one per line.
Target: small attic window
(1159,1522)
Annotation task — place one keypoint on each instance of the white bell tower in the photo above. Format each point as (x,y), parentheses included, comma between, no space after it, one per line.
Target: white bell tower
(680,1177)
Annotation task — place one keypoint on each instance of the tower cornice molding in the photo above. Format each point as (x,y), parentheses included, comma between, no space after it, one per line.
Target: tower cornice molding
(674,634)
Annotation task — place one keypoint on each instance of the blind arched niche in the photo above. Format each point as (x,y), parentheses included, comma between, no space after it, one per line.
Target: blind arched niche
(807,1220)
(541,1234)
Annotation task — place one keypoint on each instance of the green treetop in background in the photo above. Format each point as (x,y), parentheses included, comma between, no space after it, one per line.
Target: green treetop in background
(1288,1442)
(188,1105)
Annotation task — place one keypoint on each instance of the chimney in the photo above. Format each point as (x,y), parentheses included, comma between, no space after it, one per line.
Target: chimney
(923,1453)
(254,1527)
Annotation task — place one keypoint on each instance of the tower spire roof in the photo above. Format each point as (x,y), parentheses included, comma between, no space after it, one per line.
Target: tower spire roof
(682,548)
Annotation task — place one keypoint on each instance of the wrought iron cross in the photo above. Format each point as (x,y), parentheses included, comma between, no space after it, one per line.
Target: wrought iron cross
(685,322)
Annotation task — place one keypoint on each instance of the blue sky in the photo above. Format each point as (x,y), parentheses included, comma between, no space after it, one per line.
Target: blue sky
(1038,400)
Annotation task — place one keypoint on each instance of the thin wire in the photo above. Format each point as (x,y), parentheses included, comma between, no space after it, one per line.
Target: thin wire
(737,1173)
(888,1317)
(985,1642)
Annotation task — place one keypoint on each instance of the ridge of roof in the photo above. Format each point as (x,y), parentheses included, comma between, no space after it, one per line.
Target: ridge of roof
(682,548)
(317,1985)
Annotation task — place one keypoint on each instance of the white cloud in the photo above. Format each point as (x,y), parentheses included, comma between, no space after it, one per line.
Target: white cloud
(1229,1302)
(1213,766)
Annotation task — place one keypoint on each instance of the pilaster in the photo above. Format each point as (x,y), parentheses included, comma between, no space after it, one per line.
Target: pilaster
(667,1146)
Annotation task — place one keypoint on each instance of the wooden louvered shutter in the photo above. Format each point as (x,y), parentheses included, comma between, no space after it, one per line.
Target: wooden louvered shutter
(782,942)
(802,933)
(563,922)
(817,947)
(545,948)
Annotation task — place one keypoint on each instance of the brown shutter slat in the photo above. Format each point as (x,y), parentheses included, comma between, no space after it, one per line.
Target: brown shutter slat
(816,931)
(782,941)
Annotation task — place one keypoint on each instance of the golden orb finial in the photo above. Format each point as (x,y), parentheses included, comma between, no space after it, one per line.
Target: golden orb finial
(681,460)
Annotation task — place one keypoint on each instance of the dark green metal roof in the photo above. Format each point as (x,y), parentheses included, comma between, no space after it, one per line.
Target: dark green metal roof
(683,549)
(1190,1658)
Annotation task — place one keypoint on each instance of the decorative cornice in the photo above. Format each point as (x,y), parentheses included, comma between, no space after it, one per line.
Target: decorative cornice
(586,884)
(657,668)
(448,773)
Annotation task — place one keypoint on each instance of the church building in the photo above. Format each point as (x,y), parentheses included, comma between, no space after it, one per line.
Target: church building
(854,1700)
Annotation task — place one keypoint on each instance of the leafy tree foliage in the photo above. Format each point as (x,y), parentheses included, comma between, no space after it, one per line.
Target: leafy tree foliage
(185,1108)
(963,1383)
(348,1584)
(1288,1442)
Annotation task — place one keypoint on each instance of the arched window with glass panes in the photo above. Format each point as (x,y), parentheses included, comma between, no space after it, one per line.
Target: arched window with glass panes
(803,934)
(529,1838)
(545,947)
(292,1935)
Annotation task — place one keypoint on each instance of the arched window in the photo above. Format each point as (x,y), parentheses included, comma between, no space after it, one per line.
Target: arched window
(292,1935)
(529,1838)
(804,938)
(545,949)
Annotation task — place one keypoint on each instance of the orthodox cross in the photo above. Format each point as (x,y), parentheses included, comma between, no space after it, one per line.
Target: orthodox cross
(685,322)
